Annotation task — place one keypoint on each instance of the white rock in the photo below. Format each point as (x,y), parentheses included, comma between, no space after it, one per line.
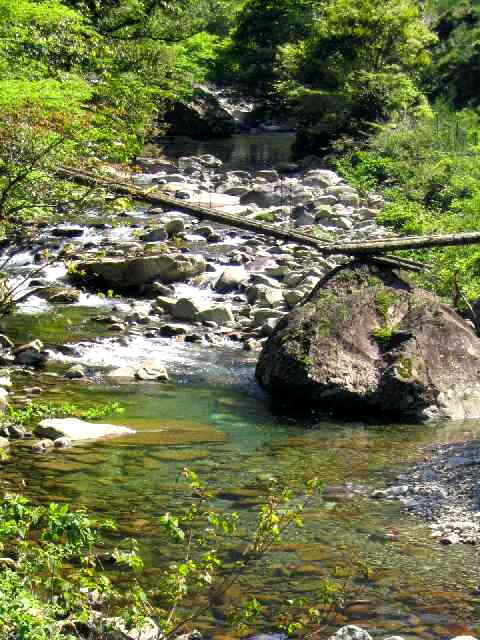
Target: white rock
(76,429)
(230,279)
(261,316)
(220,313)
(351,632)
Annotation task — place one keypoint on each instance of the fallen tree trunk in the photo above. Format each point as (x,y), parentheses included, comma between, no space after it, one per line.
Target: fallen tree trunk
(364,248)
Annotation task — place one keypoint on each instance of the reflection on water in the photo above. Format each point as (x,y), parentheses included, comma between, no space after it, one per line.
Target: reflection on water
(242,151)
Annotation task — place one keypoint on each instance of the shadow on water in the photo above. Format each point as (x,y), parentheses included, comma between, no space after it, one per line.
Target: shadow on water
(241,151)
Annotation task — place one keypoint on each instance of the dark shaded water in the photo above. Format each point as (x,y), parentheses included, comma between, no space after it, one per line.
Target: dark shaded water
(242,151)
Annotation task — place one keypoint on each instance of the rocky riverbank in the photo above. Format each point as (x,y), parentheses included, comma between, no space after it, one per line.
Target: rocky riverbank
(443,489)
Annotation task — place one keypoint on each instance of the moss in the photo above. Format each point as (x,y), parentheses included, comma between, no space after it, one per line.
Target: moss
(404,367)
(383,334)
(330,312)
(384,300)
(266,216)
(306,360)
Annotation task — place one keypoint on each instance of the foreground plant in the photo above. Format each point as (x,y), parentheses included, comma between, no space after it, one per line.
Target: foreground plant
(53,584)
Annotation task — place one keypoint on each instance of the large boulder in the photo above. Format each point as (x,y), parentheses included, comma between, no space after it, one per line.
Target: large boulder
(76,429)
(128,272)
(202,117)
(366,343)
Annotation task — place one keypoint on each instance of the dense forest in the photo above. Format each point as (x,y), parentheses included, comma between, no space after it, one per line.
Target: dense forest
(382,92)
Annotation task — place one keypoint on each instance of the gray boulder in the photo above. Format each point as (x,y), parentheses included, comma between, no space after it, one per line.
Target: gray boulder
(172,227)
(187,309)
(263,197)
(230,279)
(265,296)
(128,272)
(155,235)
(220,314)
(368,343)
(59,295)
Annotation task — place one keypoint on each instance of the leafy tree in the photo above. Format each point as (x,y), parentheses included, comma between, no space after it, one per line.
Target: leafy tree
(457,55)
(361,64)
(262,27)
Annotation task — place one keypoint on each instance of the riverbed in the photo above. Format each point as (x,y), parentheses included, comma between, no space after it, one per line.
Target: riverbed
(212,417)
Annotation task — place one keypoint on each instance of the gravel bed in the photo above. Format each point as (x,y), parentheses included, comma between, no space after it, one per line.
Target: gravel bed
(443,489)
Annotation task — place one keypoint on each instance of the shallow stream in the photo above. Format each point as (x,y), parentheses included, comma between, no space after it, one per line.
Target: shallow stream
(213,417)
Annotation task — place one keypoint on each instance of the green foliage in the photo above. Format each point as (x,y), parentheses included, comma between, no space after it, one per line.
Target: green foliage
(52,576)
(266,216)
(34,412)
(50,569)
(457,54)
(263,26)
(429,171)
(383,334)
(360,65)
(204,567)
(384,300)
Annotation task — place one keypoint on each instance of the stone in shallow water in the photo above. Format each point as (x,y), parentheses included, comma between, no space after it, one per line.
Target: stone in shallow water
(147,370)
(31,353)
(221,314)
(351,632)
(76,429)
(187,309)
(230,279)
(121,272)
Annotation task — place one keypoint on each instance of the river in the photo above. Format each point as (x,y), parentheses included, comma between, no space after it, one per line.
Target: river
(213,417)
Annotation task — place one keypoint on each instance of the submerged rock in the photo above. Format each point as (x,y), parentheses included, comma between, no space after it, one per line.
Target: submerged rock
(367,342)
(75,429)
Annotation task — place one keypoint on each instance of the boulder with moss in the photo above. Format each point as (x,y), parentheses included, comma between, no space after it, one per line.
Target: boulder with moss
(121,273)
(367,343)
